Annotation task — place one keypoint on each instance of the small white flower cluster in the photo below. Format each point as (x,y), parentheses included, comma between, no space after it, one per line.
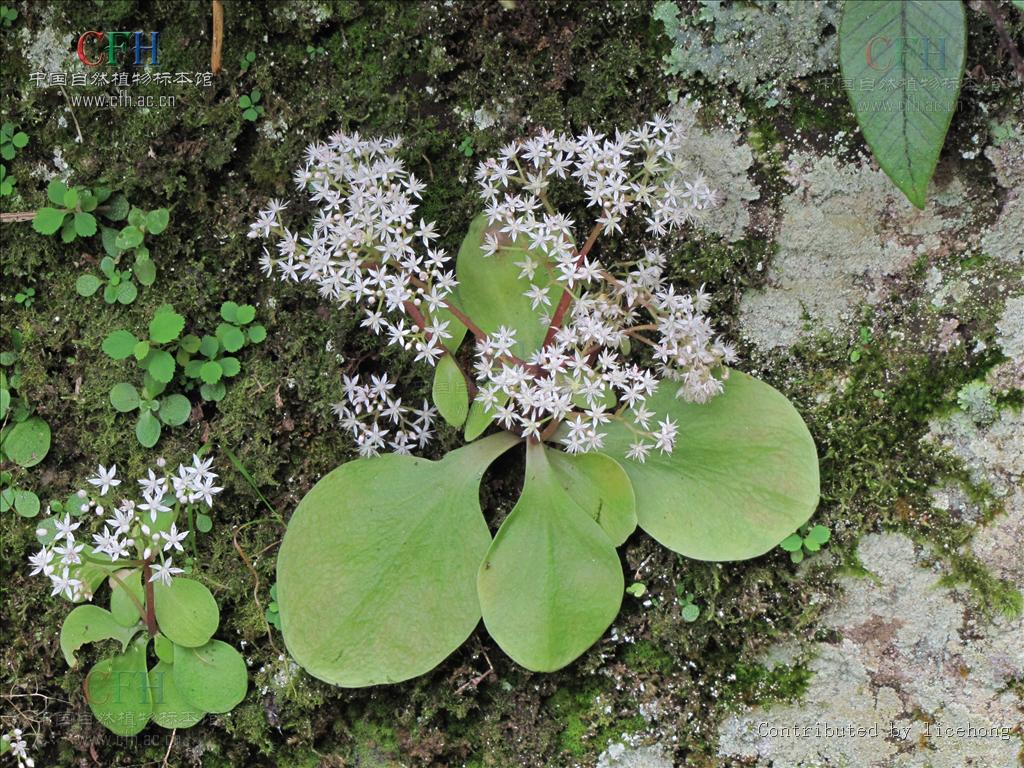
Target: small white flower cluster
(363,243)
(379,421)
(130,527)
(363,248)
(19,748)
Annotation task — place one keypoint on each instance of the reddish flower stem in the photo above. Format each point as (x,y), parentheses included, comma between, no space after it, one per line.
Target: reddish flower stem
(150,606)
(563,303)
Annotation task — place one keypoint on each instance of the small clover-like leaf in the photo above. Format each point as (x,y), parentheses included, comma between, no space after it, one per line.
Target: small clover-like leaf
(792,543)
(87,285)
(230,336)
(211,372)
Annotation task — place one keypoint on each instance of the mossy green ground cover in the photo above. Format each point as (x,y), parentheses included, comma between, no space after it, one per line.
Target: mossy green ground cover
(457,80)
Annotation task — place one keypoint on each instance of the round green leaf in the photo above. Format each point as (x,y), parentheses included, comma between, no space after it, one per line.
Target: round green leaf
(601,487)
(147,429)
(87,285)
(690,613)
(174,410)
(165,326)
(124,397)
(376,573)
(257,334)
(5,402)
(119,344)
(26,503)
(127,293)
(27,442)
(160,365)
(122,607)
(55,191)
(204,524)
(244,315)
(85,224)
(743,476)
(140,350)
(170,708)
(230,366)
(186,612)
(213,392)
(451,396)
(228,311)
(129,237)
(157,221)
(230,336)
(551,583)
(212,678)
(117,690)
(145,270)
(211,372)
(48,220)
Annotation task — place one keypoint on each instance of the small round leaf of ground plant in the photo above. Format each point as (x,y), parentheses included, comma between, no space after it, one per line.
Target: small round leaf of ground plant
(174,410)
(186,612)
(743,476)
(117,689)
(376,575)
(124,397)
(28,442)
(212,678)
(165,326)
(551,582)
(119,344)
(147,429)
(87,285)
(170,708)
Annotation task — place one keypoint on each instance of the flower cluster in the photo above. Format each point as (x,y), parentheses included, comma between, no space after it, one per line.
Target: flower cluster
(596,307)
(379,421)
(365,246)
(18,747)
(130,531)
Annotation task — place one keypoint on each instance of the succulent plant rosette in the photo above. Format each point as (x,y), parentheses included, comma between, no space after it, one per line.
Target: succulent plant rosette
(166,668)
(543,332)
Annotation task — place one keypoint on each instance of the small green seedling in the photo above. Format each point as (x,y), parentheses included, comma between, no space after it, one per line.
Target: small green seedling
(247,60)
(810,540)
(273,611)
(74,214)
(7,16)
(690,610)
(24,437)
(637,589)
(214,355)
(863,343)
(466,147)
(6,182)
(11,140)
(154,355)
(26,297)
(250,105)
(316,50)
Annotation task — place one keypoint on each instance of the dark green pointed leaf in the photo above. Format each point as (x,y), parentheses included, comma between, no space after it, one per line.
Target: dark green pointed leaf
(117,690)
(211,678)
(90,624)
(551,582)
(450,393)
(376,575)
(743,476)
(902,63)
